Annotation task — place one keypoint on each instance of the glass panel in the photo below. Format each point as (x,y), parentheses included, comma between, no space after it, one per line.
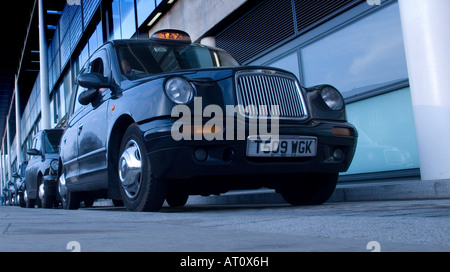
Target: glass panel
(358,57)
(96,40)
(117,32)
(289,63)
(142,59)
(387,139)
(62,101)
(84,56)
(78,106)
(51,141)
(52,112)
(144,9)
(67,91)
(128,18)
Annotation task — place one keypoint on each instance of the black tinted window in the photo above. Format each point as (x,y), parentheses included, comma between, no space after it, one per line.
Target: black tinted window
(51,141)
(139,60)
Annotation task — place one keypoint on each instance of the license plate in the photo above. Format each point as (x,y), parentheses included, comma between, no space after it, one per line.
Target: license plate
(284,146)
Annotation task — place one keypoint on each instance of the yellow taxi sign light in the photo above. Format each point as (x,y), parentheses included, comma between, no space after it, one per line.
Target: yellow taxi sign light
(172,35)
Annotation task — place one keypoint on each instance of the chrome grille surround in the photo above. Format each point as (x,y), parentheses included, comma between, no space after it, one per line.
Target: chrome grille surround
(265,87)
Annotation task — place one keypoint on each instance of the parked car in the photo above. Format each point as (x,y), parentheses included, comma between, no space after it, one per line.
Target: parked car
(5,195)
(20,184)
(41,174)
(10,192)
(164,118)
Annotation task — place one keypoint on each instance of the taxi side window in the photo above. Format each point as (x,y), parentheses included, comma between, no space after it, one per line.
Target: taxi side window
(77,104)
(96,66)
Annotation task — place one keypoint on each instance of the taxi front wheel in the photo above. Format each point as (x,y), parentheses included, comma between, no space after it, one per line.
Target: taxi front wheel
(312,189)
(140,190)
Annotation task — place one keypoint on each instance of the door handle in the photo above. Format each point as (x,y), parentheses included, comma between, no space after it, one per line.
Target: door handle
(80,128)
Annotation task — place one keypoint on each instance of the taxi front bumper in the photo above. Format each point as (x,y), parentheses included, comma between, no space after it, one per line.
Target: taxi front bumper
(186,159)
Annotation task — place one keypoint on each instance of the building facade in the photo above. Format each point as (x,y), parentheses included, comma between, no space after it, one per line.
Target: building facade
(356,45)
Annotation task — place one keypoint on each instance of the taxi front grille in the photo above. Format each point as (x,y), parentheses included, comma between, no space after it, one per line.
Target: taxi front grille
(269,93)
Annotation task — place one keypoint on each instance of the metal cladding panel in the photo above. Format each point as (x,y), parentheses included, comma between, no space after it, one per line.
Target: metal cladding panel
(89,8)
(311,12)
(65,20)
(76,29)
(65,50)
(267,25)
(274,21)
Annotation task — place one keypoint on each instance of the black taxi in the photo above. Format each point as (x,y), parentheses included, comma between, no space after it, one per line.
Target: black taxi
(164,118)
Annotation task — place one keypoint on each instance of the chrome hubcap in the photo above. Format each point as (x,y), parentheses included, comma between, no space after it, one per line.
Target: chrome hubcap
(130,169)
(41,191)
(62,187)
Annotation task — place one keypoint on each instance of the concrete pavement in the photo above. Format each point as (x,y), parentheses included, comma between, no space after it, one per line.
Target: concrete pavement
(414,225)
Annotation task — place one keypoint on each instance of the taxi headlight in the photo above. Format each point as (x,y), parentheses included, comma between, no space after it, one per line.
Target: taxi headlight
(179,90)
(332,98)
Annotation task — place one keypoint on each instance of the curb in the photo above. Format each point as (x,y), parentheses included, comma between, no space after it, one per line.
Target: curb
(345,192)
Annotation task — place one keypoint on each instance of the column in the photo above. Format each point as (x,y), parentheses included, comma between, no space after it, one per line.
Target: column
(43,52)
(18,127)
(2,165)
(8,149)
(426,34)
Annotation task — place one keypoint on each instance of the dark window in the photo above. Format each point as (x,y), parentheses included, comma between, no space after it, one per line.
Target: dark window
(143,59)
(97,66)
(51,141)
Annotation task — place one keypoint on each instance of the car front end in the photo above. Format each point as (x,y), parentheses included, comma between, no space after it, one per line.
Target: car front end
(248,127)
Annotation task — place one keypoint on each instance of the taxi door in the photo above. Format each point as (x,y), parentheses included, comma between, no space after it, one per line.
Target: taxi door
(92,131)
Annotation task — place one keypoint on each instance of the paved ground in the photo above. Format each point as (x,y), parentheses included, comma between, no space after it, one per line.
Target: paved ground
(420,225)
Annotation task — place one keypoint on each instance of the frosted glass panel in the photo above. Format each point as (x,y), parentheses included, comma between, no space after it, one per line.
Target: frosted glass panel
(387,139)
(289,63)
(359,57)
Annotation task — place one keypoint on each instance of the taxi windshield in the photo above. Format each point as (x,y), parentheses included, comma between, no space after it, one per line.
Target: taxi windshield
(138,60)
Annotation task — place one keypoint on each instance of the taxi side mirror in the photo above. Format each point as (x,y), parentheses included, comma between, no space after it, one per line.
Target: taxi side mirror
(87,96)
(93,81)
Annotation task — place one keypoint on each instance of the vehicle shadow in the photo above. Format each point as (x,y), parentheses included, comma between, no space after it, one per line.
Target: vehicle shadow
(191,208)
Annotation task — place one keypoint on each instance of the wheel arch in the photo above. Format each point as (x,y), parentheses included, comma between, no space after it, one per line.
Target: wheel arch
(117,133)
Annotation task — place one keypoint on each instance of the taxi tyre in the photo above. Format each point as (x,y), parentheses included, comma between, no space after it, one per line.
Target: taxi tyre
(31,203)
(48,200)
(71,201)
(22,202)
(176,200)
(315,191)
(140,190)
(89,201)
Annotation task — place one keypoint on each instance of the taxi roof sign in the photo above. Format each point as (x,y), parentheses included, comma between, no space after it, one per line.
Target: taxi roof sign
(171,35)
